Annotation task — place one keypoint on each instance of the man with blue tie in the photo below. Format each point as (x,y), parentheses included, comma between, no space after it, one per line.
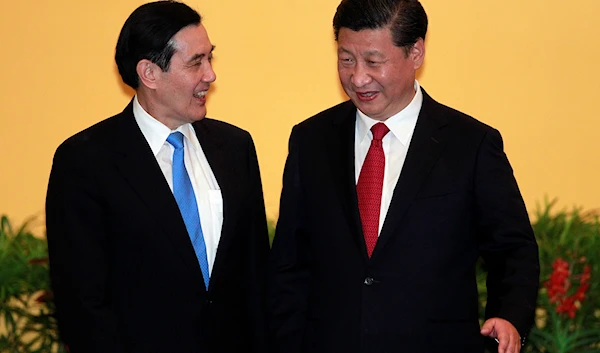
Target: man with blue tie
(155,217)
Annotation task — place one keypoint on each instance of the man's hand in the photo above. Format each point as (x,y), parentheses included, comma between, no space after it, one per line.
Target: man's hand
(505,334)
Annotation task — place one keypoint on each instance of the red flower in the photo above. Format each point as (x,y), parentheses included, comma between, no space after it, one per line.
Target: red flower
(567,306)
(559,284)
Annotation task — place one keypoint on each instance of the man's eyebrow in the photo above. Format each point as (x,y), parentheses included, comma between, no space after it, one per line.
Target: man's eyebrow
(200,56)
(367,53)
(373,53)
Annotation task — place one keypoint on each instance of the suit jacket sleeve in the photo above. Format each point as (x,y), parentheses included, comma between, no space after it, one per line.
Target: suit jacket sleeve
(79,259)
(288,267)
(507,244)
(258,252)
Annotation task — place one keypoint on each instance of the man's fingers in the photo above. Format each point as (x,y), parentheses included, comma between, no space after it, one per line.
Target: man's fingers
(508,344)
(487,327)
(504,333)
(516,344)
(503,342)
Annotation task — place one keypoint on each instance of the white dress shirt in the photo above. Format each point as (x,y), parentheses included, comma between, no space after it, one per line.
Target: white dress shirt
(206,189)
(395,145)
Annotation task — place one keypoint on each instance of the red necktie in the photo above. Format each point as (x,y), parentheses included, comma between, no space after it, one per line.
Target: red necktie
(370,185)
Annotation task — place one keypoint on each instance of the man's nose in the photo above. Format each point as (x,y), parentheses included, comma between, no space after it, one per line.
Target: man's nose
(360,76)
(209,75)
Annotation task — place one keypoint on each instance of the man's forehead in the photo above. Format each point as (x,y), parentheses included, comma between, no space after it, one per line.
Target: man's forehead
(192,41)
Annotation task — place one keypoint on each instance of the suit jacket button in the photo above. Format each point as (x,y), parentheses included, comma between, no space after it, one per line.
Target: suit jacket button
(368,281)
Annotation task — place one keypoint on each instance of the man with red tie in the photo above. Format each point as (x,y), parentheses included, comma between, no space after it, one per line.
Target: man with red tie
(388,201)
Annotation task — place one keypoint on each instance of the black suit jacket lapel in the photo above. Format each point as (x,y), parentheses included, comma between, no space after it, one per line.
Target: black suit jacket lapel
(138,165)
(428,141)
(341,153)
(216,153)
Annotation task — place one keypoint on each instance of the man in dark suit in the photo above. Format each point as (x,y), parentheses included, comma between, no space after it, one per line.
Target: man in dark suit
(388,201)
(155,217)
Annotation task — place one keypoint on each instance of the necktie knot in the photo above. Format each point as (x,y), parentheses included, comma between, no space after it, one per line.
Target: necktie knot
(176,139)
(379,130)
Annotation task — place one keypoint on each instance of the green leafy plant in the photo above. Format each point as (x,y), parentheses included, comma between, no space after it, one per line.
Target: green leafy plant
(568,308)
(26,324)
(568,314)
(271,225)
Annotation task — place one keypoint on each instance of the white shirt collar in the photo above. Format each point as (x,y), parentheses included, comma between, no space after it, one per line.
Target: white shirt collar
(401,124)
(156,133)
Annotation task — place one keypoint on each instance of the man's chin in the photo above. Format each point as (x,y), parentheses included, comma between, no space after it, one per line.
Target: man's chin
(199,114)
(198,118)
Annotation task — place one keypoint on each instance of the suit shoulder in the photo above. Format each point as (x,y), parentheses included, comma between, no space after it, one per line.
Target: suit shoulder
(454,117)
(329,116)
(223,128)
(92,137)
(469,121)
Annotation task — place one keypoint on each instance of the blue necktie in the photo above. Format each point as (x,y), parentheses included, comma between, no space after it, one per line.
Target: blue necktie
(186,200)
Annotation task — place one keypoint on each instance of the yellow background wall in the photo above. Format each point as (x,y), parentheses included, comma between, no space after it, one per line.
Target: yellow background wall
(529,68)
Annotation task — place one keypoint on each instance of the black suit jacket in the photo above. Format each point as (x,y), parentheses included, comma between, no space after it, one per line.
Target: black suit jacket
(456,200)
(124,273)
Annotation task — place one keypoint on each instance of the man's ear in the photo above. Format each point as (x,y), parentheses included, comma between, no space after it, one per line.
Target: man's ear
(417,53)
(147,72)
